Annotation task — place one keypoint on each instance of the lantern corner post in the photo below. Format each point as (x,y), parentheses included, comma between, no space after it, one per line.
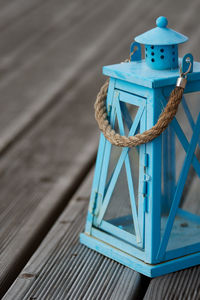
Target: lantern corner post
(154,170)
(95,197)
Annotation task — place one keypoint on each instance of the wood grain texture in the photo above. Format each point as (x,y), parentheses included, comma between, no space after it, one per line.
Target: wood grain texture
(41,42)
(57,143)
(11,11)
(52,73)
(56,146)
(62,268)
(55,55)
(33,83)
(35,32)
(175,286)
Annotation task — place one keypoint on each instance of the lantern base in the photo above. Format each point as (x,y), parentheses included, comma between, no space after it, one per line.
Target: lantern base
(137,264)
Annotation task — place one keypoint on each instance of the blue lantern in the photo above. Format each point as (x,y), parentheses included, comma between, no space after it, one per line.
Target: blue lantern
(137,214)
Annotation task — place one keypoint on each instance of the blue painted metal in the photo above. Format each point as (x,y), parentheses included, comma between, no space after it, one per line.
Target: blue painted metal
(161,35)
(135,52)
(187,59)
(161,57)
(150,238)
(161,50)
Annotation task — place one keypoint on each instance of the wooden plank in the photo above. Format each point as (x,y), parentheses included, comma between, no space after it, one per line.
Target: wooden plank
(22,194)
(20,125)
(61,268)
(179,285)
(44,154)
(37,31)
(12,10)
(58,143)
(37,92)
(40,155)
(32,94)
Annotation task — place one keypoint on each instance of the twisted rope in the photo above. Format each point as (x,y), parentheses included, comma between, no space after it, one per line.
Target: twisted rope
(141,138)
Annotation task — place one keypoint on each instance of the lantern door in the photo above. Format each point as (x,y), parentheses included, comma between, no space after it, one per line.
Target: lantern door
(121,196)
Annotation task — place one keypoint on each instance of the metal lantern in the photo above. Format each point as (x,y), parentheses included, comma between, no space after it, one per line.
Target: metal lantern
(142,206)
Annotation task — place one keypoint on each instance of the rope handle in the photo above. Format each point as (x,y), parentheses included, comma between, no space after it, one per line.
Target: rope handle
(147,136)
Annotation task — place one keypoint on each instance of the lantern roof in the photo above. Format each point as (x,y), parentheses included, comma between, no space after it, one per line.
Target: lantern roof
(161,35)
(139,73)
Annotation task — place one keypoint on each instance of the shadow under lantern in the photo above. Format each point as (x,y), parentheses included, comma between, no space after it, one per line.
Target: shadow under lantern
(140,206)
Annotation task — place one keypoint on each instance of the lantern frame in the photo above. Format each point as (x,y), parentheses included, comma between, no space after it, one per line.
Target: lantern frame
(147,85)
(147,257)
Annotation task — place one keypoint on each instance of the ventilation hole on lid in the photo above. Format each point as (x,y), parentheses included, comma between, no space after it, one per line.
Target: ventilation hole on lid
(173,52)
(146,55)
(152,47)
(152,59)
(152,53)
(173,46)
(161,50)
(173,59)
(146,49)
(162,57)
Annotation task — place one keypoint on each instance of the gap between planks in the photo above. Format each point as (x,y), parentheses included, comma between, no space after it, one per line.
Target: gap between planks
(44,110)
(62,77)
(61,268)
(12,266)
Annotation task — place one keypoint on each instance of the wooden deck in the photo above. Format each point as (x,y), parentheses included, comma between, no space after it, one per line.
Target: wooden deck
(51,54)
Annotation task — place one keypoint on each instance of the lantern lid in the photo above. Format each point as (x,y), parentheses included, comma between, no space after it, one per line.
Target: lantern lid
(161,35)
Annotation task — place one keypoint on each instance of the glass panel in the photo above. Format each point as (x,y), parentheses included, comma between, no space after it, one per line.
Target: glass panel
(124,198)
(192,187)
(119,208)
(186,227)
(114,157)
(128,114)
(134,157)
(169,146)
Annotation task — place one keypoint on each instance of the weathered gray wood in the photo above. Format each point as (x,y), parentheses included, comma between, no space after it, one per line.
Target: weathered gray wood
(61,268)
(67,62)
(58,145)
(30,170)
(179,285)
(59,141)
(30,93)
(43,155)
(37,31)
(12,115)
(12,10)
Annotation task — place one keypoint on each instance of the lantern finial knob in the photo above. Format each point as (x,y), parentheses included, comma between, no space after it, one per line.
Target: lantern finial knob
(161,22)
